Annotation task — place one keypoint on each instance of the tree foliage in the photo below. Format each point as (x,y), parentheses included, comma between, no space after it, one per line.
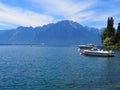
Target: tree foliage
(107,41)
(110,28)
(104,35)
(108,35)
(118,34)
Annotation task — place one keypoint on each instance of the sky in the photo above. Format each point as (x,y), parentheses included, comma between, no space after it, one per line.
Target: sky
(92,13)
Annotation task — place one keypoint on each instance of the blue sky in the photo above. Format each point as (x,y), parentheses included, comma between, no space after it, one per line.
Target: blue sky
(92,13)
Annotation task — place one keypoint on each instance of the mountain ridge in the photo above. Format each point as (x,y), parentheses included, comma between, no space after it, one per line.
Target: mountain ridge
(65,32)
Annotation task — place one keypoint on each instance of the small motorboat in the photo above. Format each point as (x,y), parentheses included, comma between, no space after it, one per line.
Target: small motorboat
(97,52)
(87,46)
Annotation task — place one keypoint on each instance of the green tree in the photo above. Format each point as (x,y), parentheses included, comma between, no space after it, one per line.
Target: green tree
(118,29)
(108,35)
(107,41)
(104,35)
(118,34)
(110,28)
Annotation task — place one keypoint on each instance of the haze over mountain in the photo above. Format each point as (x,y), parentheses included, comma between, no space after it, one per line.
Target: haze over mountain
(61,33)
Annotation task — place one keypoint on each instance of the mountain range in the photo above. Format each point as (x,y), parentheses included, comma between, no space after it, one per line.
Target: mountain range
(61,33)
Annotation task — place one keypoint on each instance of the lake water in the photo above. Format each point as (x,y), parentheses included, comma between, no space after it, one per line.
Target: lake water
(56,68)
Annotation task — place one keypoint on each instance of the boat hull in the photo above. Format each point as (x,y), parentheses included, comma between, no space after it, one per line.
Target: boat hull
(101,54)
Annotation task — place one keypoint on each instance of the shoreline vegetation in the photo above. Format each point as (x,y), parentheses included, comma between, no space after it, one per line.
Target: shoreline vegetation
(110,38)
(112,47)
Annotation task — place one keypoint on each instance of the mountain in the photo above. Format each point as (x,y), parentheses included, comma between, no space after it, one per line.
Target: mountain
(61,33)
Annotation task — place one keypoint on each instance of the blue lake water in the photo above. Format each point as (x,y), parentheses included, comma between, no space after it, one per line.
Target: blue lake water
(56,68)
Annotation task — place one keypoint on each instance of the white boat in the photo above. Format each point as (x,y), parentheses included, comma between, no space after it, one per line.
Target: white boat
(97,52)
(87,46)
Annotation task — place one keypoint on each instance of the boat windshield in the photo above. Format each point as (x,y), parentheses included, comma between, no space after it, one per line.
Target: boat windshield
(95,49)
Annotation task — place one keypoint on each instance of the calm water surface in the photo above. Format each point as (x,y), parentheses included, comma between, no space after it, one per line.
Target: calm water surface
(56,68)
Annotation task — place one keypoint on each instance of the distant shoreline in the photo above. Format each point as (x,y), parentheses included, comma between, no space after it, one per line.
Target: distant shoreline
(38,45)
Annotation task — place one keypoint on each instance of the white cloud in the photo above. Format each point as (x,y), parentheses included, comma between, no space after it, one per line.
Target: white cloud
(67,9)
(22,17)
(82,16)
(82,11)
